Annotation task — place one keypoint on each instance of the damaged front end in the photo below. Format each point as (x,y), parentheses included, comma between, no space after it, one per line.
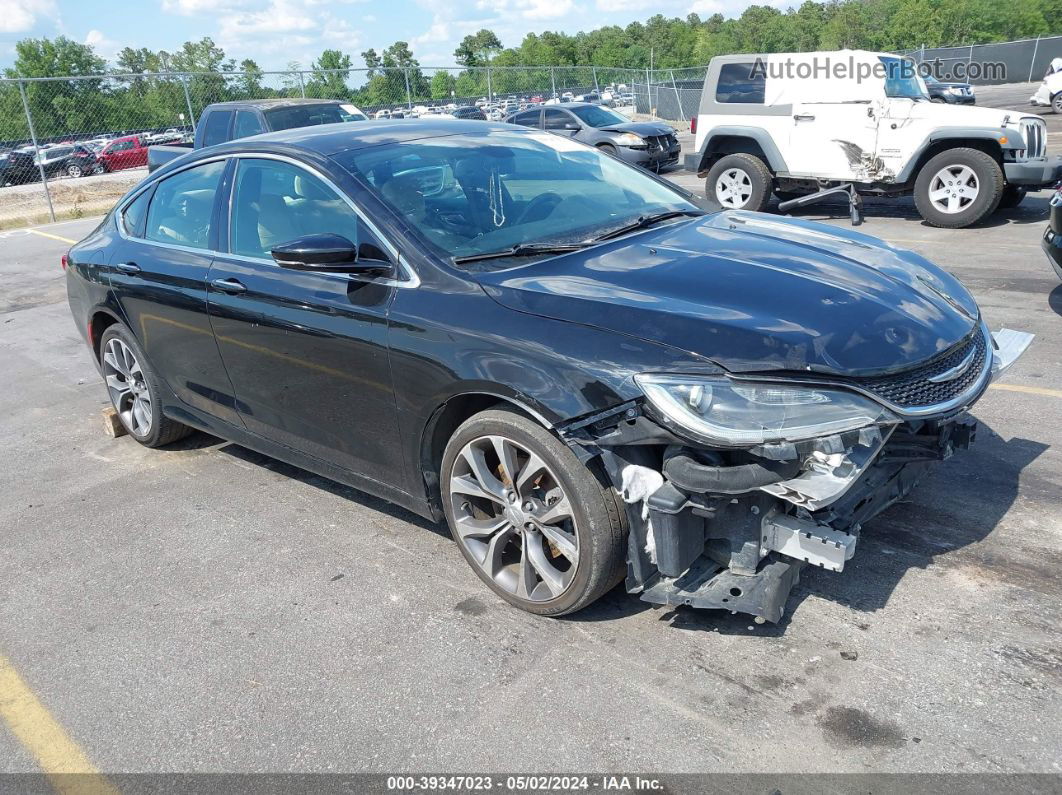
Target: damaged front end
(733,485)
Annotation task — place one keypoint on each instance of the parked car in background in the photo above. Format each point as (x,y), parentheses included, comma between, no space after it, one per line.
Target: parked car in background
(1049,92)
(126,152)
(468,112)
(1052,240)
(544,334)
(759,131)
(227,121)
(650,144)
(951,93)
(85,160)
(17,166)
(53,159)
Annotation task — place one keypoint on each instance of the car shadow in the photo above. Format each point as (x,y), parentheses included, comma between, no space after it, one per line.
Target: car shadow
(957,504)
(1034,210)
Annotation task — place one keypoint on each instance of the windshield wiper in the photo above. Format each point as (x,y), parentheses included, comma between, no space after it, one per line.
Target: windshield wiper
(643,221)
(522,250)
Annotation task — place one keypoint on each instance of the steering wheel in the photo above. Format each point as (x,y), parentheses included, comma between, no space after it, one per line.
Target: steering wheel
(543,205)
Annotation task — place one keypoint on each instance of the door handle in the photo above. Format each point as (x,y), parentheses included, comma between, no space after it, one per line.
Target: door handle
(804,117)
(230,286)
(127,267)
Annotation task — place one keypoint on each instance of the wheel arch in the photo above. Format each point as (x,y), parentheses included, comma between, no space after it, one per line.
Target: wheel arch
(448,416)
(755,141)
(986,143)
(100,319)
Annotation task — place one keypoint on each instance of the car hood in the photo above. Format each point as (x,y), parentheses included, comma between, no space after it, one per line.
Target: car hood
(753,292)
(965,115)
(642,128)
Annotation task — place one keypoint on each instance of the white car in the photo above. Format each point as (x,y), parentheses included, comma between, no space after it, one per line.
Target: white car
(798,123)
(1049,94)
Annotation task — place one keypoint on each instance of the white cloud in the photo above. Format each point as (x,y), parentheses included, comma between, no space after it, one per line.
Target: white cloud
(279,17)
(707,7)
(528,9)
(439,31)
(369,18)
(17,16)
(609,6)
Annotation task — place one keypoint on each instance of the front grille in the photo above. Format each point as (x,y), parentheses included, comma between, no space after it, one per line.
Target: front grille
(912,389)
(1034,131)
(661,142)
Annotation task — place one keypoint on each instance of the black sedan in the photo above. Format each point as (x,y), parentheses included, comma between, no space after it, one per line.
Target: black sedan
(585,374)
(951,93)
(650,144)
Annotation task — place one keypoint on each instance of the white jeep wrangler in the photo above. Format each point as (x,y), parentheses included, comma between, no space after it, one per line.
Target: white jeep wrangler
(798,123)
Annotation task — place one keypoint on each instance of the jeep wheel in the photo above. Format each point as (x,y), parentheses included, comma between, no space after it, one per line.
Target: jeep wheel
(1056,102)
(1012,197)
(958,188)
(739,182)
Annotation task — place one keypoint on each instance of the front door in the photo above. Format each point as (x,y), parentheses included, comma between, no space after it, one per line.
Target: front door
(306,351)
(160,268)
(834,140)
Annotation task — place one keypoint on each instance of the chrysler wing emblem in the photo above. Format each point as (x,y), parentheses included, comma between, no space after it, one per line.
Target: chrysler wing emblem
(954,372)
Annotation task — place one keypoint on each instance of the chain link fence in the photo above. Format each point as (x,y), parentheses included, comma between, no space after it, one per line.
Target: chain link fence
(1023,61)
(71,146)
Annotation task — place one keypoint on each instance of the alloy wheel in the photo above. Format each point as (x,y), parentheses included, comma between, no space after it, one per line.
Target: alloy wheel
(513,517)
(98,169)
(953,189)
(127,387)
(733,188)
(74,171)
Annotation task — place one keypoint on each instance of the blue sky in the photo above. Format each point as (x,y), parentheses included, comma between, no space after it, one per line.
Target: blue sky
(275,32)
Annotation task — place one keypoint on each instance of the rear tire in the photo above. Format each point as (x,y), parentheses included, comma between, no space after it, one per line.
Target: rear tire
(958,187)
(739,182)
(1012,196)
(551,539)
(134,390)
(1056,103)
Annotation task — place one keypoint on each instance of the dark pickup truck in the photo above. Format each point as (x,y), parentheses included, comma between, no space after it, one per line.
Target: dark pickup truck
(226,121)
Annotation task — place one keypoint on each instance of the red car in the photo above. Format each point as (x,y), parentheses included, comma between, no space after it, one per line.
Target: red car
(126,152)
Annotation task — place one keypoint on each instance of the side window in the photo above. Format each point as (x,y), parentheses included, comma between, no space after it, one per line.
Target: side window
(247,123)
(742,83)
(121,146)
(217,127)
(529,119)
(557,120)
(133,217)
(276,202)
(183,204)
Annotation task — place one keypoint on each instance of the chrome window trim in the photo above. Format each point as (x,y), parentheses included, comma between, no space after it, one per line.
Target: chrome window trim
(410,281)
(956,403)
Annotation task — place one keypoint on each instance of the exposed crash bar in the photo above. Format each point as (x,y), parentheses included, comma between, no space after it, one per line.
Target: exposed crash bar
(1010,344)
(817,544)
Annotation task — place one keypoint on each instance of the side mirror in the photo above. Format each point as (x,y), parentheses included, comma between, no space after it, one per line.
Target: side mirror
(328,253)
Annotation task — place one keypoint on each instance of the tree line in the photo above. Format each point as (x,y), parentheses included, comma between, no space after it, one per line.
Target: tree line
(390,76)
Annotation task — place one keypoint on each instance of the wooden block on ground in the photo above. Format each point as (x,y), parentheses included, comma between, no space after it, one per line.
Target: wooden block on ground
(112,426)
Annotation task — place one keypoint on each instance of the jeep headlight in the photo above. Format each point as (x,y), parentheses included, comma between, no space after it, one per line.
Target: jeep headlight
(722,411)
(630,139)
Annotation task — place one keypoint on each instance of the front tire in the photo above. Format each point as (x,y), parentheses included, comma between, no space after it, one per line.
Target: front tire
(739,182)
(134,390)
(534,523)
(1056,103)
(958,187)
(73,171)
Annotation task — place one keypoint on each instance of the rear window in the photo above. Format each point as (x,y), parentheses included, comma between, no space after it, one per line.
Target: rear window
(303,116)
(217,127)
(741,83)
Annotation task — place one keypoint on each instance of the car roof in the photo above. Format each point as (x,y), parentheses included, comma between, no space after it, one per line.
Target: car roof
(267,104)
(331,139)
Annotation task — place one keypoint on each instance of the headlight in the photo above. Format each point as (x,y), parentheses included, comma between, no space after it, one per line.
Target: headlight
(630,139)
(954,90)
(726,412)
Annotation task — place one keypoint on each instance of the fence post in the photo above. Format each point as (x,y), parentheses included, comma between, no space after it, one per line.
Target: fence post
(409,94)
(594,68)
(649,95)
(678,99)
(1032,63)
(302,85)
(553,82)
(188,100)
(490,91)
(36,149)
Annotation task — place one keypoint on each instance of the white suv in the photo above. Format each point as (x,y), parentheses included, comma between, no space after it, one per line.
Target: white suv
(793,124)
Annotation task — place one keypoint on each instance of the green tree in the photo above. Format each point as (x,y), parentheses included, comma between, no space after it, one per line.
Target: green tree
(476,49)
(332,70)
(442,83)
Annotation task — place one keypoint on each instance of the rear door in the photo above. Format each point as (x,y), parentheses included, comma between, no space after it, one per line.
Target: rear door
(159,271)
(306,351)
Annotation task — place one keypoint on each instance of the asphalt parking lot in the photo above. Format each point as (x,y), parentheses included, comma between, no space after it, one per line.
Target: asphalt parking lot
(204,608)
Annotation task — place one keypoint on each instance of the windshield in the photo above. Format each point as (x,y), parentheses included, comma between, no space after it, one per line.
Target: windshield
(474,194)
(304,116)
(902,80)
(597,116)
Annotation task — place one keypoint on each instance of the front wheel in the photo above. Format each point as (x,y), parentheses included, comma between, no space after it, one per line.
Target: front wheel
(739,182)
(134,390)
(98,168)
(1056,103)
(958,187)
(73,171)
(534,523)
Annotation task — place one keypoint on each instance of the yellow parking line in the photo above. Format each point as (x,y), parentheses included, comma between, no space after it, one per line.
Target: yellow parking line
(40,734)
(1029,390)
(60,238)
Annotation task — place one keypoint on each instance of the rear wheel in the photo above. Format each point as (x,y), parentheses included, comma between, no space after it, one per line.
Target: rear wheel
(532,521)
(73,170)
(134,390)
(1056,102)
(739,182)
(958,187)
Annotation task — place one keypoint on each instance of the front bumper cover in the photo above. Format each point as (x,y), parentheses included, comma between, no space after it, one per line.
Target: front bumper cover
(1034,174)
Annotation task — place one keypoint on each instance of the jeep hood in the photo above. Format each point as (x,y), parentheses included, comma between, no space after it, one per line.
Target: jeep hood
(965,115)
(752,292)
